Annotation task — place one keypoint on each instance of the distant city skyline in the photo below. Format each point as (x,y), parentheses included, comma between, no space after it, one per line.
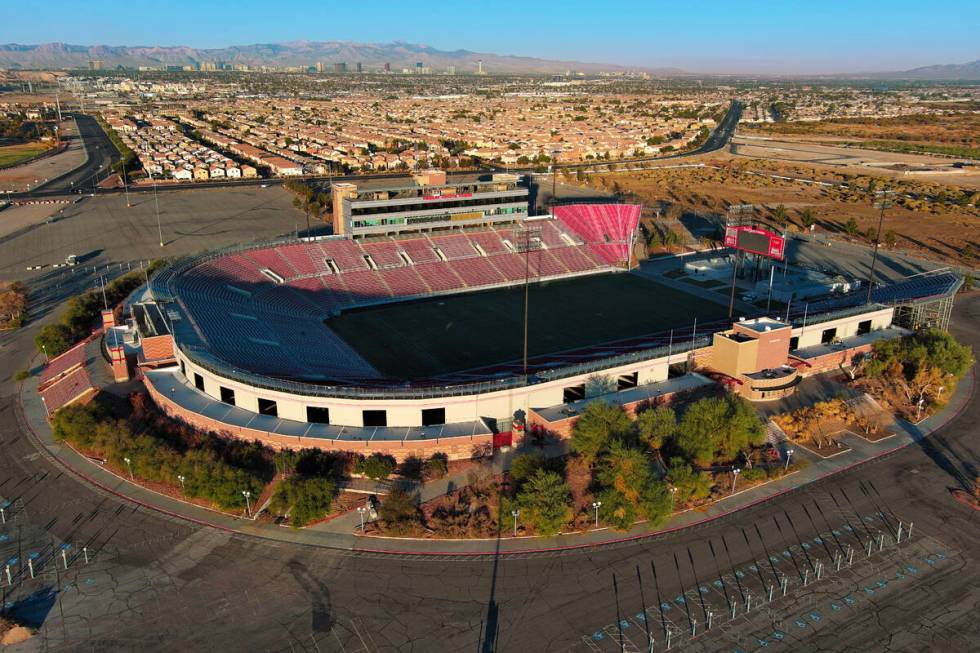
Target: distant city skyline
(706,37)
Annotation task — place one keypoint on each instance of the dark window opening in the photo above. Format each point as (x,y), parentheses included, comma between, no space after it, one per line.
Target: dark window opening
(828,336)
(573,393)
(794,343)
(375,417)
(198,381)
(268,407)
(227,395)
(317,415)
(864,327)
(183,369)
(433,416)
(627,381)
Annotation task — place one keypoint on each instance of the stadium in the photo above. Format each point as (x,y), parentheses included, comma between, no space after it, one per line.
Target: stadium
(442,317)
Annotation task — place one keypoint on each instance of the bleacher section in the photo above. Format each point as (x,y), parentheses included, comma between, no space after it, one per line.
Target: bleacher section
(607,229)
(267,323)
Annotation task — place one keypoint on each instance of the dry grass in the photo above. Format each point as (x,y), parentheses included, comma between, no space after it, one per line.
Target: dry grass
(929,219)
(955,130)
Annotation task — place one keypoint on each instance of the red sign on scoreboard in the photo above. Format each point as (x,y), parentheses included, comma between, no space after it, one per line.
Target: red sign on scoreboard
(756,241)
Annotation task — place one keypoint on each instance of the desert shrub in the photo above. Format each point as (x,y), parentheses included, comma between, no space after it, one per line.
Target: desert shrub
(398,513)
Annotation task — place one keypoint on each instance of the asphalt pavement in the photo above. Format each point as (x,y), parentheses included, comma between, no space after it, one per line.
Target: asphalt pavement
(161,584)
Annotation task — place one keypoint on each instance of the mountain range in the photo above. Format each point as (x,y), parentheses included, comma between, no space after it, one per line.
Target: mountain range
(295,53)
(371,55)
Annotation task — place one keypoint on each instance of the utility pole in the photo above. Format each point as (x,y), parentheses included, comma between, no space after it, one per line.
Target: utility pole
(883,200)
(156,203)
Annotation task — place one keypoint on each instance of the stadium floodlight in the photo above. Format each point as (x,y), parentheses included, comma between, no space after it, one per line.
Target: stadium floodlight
(883,200)
(527,239)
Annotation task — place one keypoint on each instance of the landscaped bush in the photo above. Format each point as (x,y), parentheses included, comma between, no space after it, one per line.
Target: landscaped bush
(215,469)
(377,466)
(304,498)
(398,514)
(436,467)
(754,474)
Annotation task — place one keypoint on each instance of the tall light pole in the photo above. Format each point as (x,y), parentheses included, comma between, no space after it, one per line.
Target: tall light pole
(673,497)
(181,478)
(596,505)
(735,472)
(248,505)
(156,203)
(883,200)
(125,184)
(515,514)
(360,511)
(789,454)
(129,466)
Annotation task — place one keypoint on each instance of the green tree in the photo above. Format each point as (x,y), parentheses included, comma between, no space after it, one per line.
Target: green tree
(545,502)
(691,485)
(851,227)
(524,466)
(780,215)
(377,466)
(807,218)
(630,487)
(599,423)
(890,238)
(718,428)
(53,339)
(656,426)
(305,499)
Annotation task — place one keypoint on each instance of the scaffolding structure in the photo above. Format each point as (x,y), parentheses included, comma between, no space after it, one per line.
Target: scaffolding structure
(933,313)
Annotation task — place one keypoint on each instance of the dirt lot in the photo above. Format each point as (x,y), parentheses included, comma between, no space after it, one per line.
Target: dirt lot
(933,220)
(956,134)
(20,177)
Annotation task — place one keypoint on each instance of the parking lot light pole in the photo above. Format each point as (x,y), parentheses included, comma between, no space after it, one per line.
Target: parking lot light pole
(673,498)
(735,472)
(789,454)
(596,505)
(515,514)
(181,478)
(248,505)
(360,511)
(129,466)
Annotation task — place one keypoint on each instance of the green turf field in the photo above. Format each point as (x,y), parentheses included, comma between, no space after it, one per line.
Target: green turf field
(457,332)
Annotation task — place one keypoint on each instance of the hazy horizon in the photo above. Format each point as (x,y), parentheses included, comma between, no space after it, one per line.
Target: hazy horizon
(745,38)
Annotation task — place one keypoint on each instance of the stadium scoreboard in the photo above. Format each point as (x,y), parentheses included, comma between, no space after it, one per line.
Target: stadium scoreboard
(756,241)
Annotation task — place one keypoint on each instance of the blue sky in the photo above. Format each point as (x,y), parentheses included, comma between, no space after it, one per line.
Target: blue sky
(697,35)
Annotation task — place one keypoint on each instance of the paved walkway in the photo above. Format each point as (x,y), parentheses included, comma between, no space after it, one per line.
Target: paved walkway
(338,533)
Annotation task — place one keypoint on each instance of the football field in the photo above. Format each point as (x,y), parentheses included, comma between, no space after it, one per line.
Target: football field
(458,332)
